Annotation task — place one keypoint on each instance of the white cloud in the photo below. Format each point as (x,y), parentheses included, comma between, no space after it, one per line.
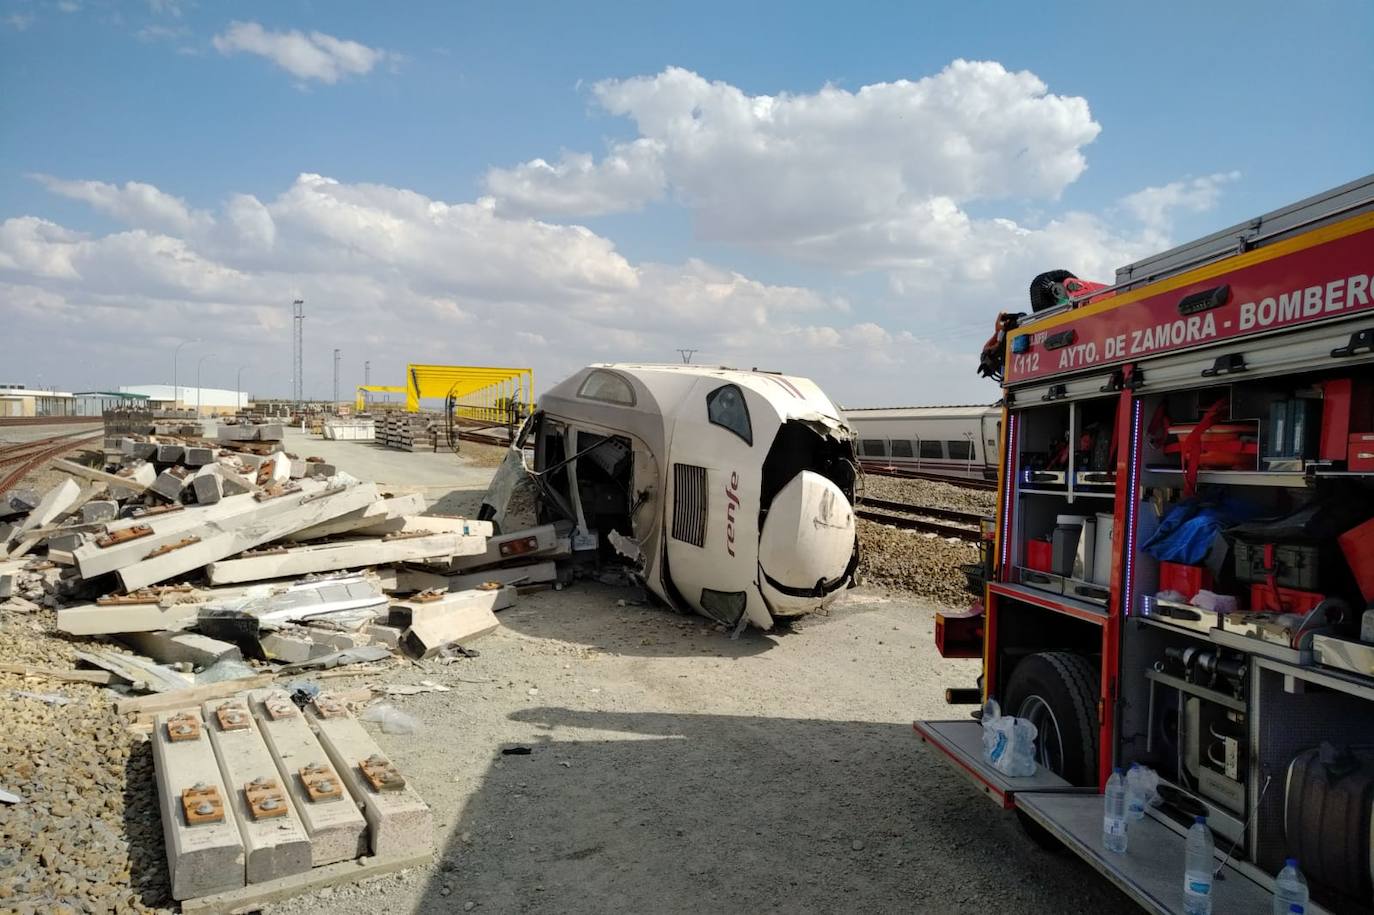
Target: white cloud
(882,179)
(150,33)
(68,6)
(313,56)
(136,204)
(920,184)
(449,282)
(166,7)
(629,177)
(18,21)
(851,179)
(1155,206)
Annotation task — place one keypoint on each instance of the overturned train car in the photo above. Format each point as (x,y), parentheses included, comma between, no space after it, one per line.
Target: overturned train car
(729,492)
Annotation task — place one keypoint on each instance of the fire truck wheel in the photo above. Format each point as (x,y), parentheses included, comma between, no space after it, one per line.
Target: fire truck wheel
(1057,692)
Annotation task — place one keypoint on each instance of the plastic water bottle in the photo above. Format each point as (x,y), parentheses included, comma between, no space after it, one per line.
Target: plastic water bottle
(1135,793)
(991,712)
(1023,748)
(1197,870)
(1290,890)
(1114,814)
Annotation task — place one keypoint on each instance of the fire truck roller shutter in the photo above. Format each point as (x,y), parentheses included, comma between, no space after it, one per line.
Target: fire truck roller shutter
(1057,692)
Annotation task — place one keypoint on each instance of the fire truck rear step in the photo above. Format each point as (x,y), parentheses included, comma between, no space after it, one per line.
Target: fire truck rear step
(1151,871)
(962,742)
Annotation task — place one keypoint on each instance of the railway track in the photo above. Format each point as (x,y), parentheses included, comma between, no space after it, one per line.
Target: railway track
(18,460)
(886,470)
(918,518)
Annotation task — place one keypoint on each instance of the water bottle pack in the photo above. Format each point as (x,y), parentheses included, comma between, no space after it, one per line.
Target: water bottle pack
(1008,742)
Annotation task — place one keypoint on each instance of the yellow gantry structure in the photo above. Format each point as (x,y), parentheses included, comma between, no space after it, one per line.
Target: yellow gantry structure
(478,391)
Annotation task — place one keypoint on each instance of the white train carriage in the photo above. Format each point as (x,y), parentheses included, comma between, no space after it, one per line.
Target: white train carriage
(957,441)
(730,491)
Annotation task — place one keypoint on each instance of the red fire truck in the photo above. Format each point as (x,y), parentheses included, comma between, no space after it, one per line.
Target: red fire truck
(1184,558)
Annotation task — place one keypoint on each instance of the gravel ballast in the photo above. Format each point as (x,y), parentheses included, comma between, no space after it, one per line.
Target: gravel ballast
(914,561)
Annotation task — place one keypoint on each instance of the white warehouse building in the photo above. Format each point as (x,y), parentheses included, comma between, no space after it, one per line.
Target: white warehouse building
(186,397)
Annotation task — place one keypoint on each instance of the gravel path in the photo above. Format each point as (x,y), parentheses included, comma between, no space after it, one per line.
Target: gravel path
(674,770)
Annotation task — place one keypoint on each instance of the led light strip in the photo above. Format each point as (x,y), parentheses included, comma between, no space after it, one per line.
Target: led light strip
(1009,483)
(1132,501)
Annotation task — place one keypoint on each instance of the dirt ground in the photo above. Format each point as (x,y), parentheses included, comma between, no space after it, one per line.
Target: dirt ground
(675,770)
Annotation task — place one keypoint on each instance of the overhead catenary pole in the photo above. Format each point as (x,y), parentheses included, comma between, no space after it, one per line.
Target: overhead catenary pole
(298,352)
(238,388)
(336,379)
(198,365)
(176,396)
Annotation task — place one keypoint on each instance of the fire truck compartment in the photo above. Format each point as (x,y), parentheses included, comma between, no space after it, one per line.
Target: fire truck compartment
(1151,870)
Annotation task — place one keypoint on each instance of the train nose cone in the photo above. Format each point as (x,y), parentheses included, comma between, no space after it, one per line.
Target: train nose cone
(807,540)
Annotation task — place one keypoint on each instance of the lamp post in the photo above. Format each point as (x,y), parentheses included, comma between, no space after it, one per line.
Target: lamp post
(198,365)
(176,396)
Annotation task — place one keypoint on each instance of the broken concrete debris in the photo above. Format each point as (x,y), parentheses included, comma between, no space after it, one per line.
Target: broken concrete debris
(215,571)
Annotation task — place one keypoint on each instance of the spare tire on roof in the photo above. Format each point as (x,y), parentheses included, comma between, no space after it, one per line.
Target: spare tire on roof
(1042,291)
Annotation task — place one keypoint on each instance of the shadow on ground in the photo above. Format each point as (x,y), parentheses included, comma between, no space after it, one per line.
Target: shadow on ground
(622,812)
(623,620)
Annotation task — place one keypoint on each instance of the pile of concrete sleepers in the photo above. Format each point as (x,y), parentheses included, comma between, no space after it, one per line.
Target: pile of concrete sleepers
(262,799)
(223,569)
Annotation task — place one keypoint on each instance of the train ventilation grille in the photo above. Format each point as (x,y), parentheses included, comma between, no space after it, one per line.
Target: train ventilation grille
(689,504)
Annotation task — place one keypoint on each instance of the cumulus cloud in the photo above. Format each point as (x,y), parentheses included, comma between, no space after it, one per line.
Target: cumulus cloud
(1155,206)
(846,178)
(449,282)
(577,185)
(313,56)
(884,179)
(135,203)
(908,198)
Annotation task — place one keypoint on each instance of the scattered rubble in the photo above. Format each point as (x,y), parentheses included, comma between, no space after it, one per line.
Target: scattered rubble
(189,569)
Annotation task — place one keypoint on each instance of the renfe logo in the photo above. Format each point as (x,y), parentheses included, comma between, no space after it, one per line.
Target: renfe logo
(731,503)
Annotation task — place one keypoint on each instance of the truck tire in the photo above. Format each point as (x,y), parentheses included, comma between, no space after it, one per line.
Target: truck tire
(1042,289)
(1057,691)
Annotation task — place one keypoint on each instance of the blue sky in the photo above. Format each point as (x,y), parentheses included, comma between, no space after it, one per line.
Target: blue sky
(1219,111)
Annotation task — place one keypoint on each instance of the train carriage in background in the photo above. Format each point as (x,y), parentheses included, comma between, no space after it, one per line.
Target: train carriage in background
(955,441)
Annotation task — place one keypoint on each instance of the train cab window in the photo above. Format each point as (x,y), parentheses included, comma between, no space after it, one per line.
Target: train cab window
(872,447)
(901,448)
(726,407)
(932,449)
(608,387)
(960,451)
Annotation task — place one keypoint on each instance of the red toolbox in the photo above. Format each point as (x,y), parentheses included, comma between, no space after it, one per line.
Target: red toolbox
(1266,598)
(1185,579)
(1358,546)
(1039,555)
(1360,458)
(960,635)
